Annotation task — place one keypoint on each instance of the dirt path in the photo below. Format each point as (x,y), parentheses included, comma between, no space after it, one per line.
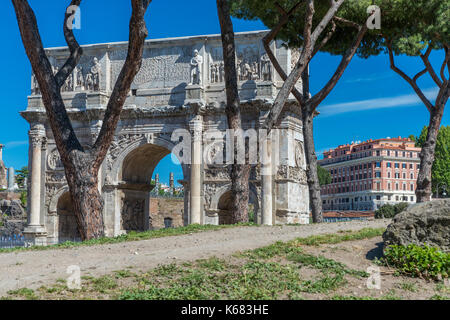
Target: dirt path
(33,269)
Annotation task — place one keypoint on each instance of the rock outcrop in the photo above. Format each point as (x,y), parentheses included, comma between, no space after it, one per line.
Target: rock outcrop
(423,223)
(12,209)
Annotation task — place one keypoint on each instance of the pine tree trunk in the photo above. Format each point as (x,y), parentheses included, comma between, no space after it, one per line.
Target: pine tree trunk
(311,163)
(423,190)
(86,198)
(240,173)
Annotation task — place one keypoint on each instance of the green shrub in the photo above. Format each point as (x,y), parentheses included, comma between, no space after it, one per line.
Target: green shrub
(416,261)
(23,198)
(389,211)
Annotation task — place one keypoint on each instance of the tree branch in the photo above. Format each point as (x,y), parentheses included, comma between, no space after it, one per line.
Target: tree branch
(428,66)
(419,74)
(138,34)
(62,129)
(407,78)
(309,40)
(75,50)
(445,63)
(270,37)
(335,5)
(346,58)
(326,39)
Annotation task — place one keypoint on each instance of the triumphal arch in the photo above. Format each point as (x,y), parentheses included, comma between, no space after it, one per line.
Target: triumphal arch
(180,88)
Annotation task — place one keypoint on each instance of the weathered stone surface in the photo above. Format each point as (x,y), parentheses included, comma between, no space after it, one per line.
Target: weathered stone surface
(424,223)
(12,227)
(12,208)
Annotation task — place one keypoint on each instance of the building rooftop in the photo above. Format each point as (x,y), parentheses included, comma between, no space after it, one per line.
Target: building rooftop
(398,143)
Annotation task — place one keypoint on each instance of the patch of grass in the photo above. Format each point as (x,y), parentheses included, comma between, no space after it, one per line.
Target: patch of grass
(339,297)
(104,284)
(324,264)
(271,272)
(408,286)
(213,264)
(366,233)
(439,297)
(26,293)
(123,274)
(442,287)
(132,236)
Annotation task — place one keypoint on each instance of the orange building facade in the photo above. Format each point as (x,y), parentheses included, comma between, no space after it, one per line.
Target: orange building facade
(370,174)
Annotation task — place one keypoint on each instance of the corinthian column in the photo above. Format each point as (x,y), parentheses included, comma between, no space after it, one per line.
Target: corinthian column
(37,138)
(196,162)
(266,177)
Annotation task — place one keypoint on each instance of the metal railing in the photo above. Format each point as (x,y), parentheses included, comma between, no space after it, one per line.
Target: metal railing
(12,242)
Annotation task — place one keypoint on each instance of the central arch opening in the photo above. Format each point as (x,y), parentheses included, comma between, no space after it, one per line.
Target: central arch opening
(225,203)
(138,192)
(67,221)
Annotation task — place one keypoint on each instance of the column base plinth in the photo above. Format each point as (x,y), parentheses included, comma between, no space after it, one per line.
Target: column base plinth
(35,236)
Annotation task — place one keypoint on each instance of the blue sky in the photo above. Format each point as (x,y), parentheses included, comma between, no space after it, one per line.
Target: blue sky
(370,101)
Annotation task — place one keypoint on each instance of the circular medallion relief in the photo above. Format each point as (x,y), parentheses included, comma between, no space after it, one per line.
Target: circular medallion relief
(54,160)
(299,154)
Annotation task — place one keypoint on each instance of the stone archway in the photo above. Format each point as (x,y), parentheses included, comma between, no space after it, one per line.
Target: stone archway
(135,184)
(222,202)
(67,222)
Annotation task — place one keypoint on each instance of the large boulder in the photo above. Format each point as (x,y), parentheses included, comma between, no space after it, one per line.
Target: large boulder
(423,223)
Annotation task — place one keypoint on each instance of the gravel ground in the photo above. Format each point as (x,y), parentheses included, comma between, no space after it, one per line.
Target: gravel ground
(33,269)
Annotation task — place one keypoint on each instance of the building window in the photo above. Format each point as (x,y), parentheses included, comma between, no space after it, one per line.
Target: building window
(389,186)
(404,165)
(378,197)
(388,165)
(404,187)
(418,167)
(388,153)
(396,153)
(396,186)
(397,175)
(378,153)
(412,187)
(412,199)
(389,198)
(411,166)
(389,174)
(378,174)
(397,165)
(412,175)
(378,164)
(404,175)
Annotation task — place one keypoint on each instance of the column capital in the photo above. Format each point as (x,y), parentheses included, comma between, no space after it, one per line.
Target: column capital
(37,135)
(196,127)
(38,140)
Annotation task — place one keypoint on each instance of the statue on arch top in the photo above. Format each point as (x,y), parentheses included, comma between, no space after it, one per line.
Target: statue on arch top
(95,71)
(196,68)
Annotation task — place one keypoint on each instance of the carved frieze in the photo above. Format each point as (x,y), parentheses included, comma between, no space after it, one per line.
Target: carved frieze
(294,174)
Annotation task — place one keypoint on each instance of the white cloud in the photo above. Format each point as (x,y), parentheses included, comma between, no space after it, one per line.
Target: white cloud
(371,77)
(14,144)
(380,103)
